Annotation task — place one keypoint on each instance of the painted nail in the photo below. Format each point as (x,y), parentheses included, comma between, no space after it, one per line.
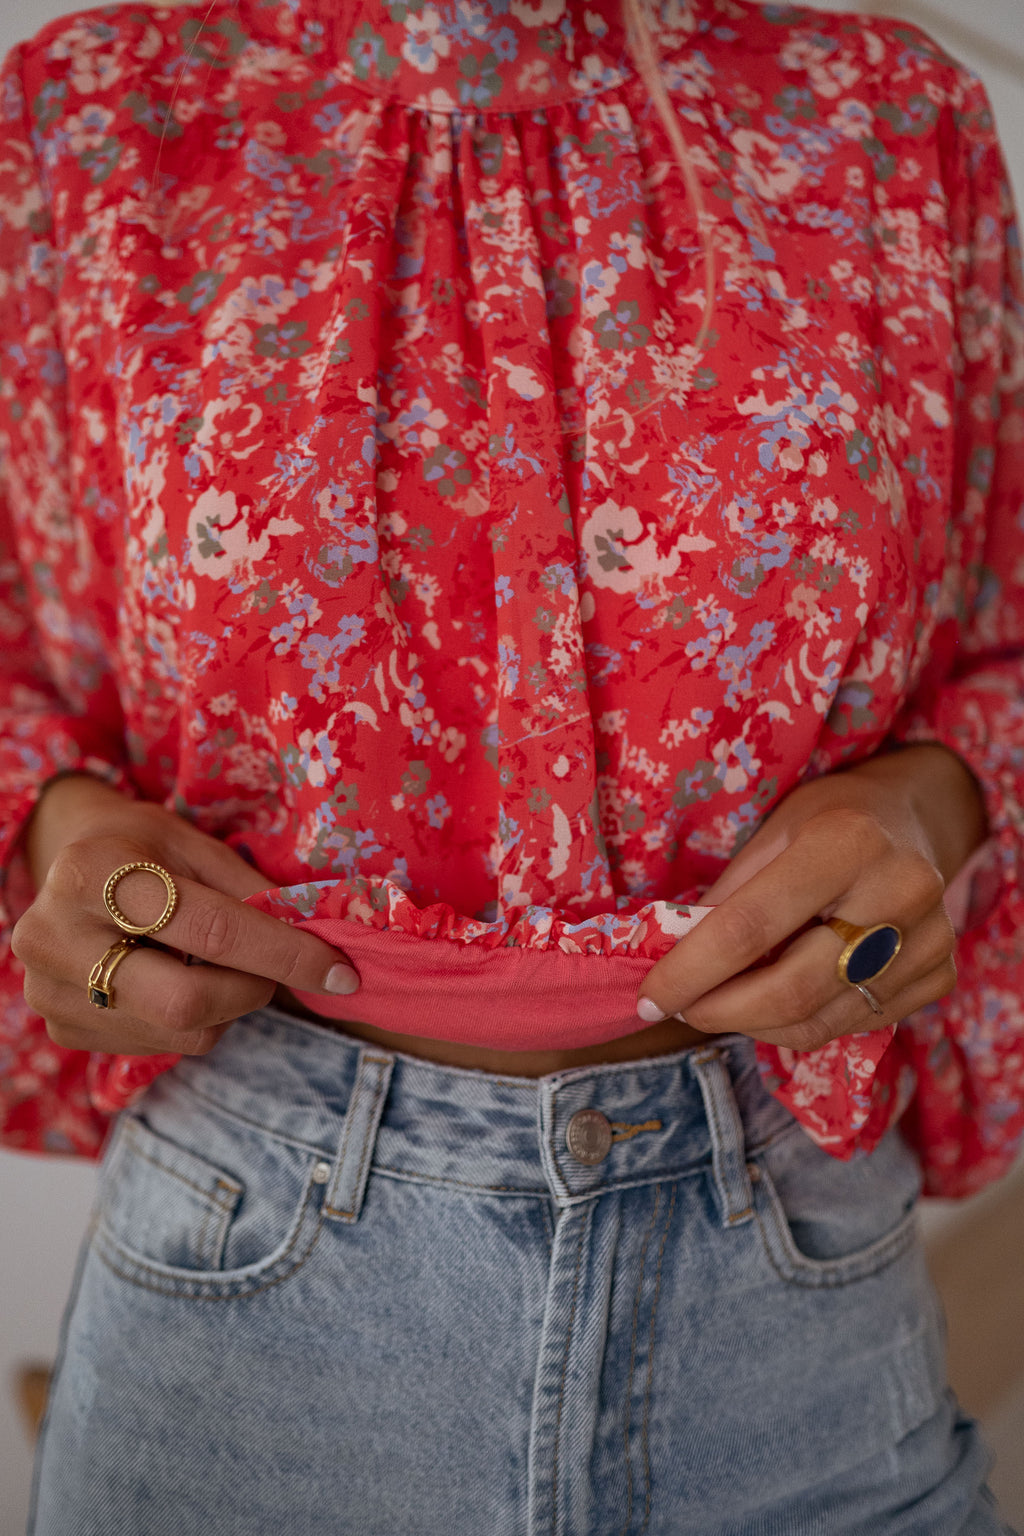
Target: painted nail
(649,1011)
(341,978)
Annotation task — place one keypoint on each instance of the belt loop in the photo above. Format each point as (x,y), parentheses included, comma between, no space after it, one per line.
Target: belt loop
(728,1143)
(362,1117)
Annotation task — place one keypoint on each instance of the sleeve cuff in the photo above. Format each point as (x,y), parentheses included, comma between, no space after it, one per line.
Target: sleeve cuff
(982,721)
(31,757)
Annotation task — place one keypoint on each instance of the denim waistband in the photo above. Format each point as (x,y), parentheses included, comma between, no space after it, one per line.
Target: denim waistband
(659,1118)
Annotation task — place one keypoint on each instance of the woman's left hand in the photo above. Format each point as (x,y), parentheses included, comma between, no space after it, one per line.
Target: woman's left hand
(875,843)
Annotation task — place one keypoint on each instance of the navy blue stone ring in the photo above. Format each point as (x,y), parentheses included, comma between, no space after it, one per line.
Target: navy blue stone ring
(868,951)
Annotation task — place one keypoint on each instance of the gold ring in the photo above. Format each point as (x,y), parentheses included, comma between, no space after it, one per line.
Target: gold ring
(101,993)
(115,911)
(867,952)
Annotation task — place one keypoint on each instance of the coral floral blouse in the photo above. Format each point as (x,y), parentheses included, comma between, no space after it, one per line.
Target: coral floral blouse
(372,498)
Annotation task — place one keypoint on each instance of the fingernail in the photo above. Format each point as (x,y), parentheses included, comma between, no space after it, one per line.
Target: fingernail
(341,978)
(649,1011)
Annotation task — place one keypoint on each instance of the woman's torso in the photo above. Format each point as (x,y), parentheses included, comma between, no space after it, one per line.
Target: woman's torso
(418,553)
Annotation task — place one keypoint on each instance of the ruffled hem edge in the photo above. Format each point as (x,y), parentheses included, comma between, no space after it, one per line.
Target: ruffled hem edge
(646,933)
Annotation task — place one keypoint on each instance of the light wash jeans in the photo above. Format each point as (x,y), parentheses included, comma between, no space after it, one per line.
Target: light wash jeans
(333,1290)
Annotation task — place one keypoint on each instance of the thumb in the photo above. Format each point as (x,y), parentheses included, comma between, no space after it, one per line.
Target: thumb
(210,862)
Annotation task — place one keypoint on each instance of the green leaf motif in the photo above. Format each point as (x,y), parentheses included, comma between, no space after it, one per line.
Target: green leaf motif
(695,785)
(154,116)
(217,44)
(611,559)
(207,542)
(415,778)
(100,162)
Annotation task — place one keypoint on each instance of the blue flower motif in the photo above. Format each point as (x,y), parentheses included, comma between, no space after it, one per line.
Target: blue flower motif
(505,44)
(438,811)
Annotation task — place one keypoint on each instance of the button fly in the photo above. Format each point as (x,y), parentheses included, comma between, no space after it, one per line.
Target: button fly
(589,1136)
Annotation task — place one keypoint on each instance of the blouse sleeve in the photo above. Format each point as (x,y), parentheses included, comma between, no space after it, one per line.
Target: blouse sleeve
(966,1052)
(58,703)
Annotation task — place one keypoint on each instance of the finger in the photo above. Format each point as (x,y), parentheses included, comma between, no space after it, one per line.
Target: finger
(803,984)
(839,859)
(79,1028)
(157,1004)
(853,1015)
(206,923)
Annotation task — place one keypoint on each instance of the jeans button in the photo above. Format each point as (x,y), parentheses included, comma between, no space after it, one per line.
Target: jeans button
(589,1136)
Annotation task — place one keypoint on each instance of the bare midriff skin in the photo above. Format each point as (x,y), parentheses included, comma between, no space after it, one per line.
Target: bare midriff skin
(651,1040)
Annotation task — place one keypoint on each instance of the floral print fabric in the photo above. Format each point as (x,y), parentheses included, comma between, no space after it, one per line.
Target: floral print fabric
(369,501)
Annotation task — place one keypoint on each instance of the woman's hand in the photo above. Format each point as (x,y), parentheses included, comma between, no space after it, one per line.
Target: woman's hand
(874,843)
(80,832)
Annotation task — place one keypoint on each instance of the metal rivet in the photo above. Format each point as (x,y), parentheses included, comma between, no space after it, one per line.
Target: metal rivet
(753,1173)
(321,1173)
(589,1136)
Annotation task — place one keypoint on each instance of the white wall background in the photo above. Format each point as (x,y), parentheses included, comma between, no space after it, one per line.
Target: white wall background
(44,1205)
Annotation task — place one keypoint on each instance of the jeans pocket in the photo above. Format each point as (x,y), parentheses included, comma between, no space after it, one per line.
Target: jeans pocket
(164,1201)
(195,1204)
(826,1222)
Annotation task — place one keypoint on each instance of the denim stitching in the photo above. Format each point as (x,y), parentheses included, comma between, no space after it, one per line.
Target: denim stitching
(353,1100)
(211,1203)
(222,1183)
(854,1271)
(216,1255)
(711,1106)
(710,1053)
(203,1262)
(368,1139)
(621,1186)
(106,1247)
(756,1149)
(316,1148)
(538,1192)
(379,1061)
(239,1295)
(650,1363)
(632,1359)
(565,1367)
(556,1165)
(830,1274)
(548,1224)
(711,1109)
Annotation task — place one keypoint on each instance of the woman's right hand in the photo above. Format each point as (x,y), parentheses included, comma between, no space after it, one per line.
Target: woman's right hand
(81,831)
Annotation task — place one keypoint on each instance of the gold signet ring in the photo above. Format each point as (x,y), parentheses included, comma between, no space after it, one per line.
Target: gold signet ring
(867,952)
(101,993)
(115,911)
